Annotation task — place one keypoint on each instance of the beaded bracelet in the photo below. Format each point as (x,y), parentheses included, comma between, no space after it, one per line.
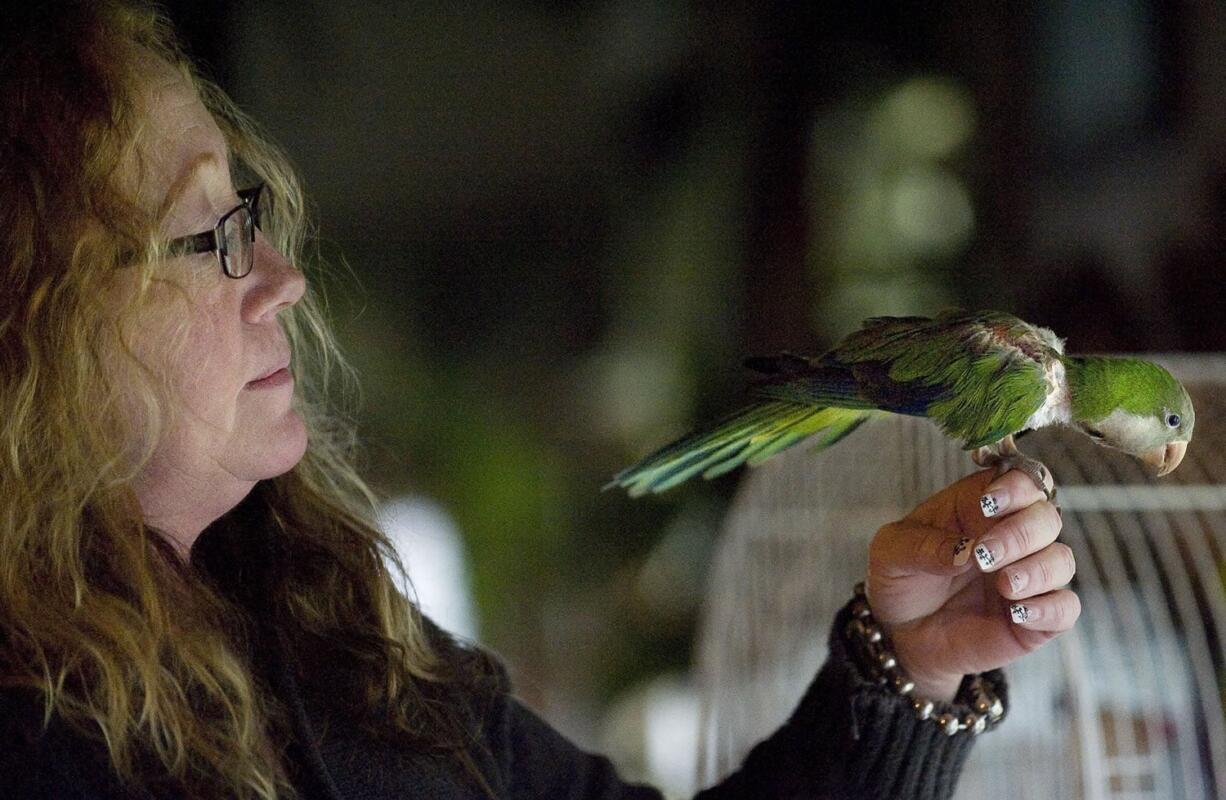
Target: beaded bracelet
(871,651)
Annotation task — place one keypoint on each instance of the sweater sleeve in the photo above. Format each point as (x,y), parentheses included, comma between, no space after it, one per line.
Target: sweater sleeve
(847,738)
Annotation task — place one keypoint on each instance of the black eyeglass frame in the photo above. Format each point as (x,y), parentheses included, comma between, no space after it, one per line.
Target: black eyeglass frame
(214,241)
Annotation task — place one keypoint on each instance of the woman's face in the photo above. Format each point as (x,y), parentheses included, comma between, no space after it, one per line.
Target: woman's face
(232,429)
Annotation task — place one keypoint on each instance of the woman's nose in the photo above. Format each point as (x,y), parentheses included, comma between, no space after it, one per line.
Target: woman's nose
(276,283)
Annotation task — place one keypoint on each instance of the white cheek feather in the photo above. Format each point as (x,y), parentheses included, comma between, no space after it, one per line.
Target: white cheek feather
(1131,432)
(1057,405)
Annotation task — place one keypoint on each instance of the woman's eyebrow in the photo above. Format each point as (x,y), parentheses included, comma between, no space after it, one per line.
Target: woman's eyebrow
(181,183)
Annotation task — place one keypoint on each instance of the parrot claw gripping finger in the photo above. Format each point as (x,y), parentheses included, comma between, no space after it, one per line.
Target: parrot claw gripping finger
(1005,456)
(1034,469)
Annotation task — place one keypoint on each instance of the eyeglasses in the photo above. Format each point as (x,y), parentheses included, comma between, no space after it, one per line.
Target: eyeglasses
(233,238)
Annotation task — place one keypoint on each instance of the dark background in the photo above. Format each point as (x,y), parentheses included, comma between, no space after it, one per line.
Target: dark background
(567,223)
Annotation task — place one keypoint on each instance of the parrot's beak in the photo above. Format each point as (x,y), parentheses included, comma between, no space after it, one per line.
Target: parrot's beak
(1164,458)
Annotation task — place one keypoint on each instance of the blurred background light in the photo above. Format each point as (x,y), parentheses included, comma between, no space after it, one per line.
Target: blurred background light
(931,211)
(431,550)
(925,118)
(652,732)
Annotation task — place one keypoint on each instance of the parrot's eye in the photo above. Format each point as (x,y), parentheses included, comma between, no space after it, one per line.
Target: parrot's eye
(1172,420)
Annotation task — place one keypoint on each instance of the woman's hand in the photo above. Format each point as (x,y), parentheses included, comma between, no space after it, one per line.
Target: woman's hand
(951,610)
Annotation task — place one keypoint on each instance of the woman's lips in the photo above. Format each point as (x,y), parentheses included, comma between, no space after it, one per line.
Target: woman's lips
(278,378)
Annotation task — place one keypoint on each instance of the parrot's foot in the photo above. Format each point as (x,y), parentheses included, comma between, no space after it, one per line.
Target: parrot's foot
(1036,470)
(1005,456)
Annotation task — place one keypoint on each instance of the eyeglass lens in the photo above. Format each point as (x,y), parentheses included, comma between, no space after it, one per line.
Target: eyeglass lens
(238,237)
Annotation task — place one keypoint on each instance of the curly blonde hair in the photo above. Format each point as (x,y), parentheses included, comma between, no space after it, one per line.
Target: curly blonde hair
(99,618)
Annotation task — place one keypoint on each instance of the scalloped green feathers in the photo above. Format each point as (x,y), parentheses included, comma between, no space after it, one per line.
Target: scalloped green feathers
(979,376)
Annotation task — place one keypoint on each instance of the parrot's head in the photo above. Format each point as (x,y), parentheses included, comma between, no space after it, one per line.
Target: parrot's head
(1151,417)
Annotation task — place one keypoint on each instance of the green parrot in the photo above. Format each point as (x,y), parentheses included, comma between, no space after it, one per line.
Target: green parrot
(983,377)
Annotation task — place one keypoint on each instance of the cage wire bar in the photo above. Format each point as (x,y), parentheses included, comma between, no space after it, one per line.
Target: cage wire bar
(1129,705)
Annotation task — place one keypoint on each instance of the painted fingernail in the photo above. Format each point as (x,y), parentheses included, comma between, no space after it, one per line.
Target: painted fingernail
(1018,578)
(986,553)
(994,503)
(962,551)
(1020,614)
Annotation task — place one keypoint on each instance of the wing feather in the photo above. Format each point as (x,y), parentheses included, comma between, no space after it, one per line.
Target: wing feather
(751,434)
(983,371)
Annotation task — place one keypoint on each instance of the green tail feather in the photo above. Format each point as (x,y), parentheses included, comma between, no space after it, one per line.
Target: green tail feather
(752,434)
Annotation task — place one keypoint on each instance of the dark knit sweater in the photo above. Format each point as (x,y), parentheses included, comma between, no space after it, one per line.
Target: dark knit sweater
(846,739)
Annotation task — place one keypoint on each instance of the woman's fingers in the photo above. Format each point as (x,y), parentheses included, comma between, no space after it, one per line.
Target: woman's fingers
(917,563)
(911,567)
(1018,535)
(941,557)
(907,547)
(1051,613)
(1050,568)
(975,503)
(938,536)
(1010,492)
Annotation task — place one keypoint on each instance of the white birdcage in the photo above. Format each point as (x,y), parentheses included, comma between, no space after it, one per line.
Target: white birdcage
(1127,705)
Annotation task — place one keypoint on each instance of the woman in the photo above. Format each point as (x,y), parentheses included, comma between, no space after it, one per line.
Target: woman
(193,597)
